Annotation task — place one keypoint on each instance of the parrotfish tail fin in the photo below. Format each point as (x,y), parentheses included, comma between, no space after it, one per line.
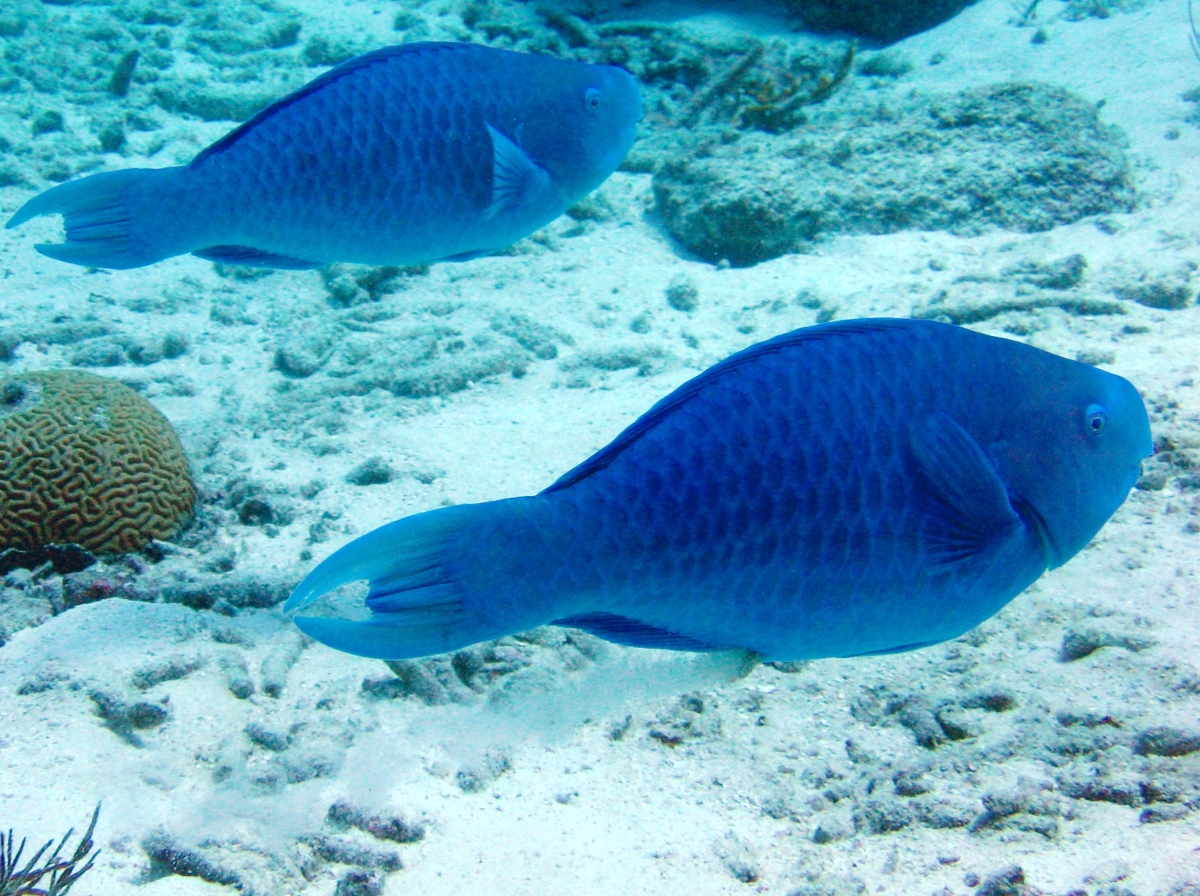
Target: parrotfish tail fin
(417,608)
(99,218)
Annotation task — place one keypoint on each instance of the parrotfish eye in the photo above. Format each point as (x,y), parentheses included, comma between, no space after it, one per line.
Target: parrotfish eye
(591,98)
(1096,418)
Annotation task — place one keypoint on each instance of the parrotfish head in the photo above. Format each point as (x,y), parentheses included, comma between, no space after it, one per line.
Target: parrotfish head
(1071,450)
(585,124)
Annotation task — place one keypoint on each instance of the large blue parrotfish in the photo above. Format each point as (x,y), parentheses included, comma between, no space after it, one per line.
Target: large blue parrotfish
(852,488)
(408,154)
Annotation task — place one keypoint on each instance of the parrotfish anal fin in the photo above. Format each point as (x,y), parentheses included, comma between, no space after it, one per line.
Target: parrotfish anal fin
(888,651)
(967,511)
(254,258)
(375,57)
(630,632)
(694,386)
(515,177)
(468,256)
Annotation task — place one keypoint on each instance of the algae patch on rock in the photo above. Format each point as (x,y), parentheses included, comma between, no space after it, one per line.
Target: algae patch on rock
(1024,157)
(87,461)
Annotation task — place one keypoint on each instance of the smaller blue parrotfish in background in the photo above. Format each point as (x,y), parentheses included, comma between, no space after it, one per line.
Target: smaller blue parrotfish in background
(421,152)
(852,488)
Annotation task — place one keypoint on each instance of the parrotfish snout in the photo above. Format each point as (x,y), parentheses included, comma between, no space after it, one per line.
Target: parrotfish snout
(421,152)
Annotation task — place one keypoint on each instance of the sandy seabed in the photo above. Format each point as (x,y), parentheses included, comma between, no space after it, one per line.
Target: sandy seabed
(1060,737)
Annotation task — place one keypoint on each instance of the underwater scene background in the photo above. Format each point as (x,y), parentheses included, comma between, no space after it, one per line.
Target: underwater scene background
(1027,169)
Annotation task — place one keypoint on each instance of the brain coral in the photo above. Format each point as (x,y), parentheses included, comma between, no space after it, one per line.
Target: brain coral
(87,460)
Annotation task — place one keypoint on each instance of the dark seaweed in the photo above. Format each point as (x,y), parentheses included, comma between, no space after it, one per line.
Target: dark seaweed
(62,872)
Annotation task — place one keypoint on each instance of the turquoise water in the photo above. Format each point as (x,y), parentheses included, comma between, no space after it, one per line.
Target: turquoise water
(1027,170)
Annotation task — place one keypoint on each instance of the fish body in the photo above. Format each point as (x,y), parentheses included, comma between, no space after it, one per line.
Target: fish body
(408,154)
(852,488)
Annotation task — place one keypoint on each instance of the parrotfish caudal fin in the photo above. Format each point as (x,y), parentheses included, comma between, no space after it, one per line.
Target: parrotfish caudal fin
(418,609)
(103,230)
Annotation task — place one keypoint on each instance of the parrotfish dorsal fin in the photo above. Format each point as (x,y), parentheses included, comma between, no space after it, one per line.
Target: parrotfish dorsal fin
(690,389)
(516,178)
(968,511)
(375,57)
(631,633)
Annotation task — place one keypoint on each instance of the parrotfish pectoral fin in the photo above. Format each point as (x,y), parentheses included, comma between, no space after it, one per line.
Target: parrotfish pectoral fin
(631,633)
(969,513)
(254,258)
(516,178)
(96,215)
(417,608)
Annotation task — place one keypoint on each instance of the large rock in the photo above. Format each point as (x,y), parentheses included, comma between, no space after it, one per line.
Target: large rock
(1025,157)
(883,20)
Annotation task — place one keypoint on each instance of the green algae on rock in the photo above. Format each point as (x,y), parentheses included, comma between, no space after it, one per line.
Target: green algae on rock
(1021,156)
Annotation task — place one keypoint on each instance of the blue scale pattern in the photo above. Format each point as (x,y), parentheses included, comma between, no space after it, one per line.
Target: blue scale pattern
(385,159)
(852,488)
(779,507)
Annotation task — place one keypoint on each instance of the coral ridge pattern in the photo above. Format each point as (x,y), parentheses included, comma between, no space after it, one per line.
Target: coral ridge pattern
(87,461)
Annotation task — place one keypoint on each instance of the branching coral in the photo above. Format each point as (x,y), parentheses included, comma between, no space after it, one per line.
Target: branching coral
(765,88)
(61,871)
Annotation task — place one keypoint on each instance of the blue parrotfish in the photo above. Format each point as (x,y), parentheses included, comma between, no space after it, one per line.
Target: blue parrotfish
(408,154)
(852,488)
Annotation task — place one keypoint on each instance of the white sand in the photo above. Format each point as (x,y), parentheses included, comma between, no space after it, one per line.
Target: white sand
(578,812)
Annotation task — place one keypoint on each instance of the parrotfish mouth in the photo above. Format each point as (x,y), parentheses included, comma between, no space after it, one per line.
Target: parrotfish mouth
(1037,523)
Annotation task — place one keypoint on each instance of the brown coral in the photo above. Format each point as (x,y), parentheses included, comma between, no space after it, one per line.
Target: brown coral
(86,460)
